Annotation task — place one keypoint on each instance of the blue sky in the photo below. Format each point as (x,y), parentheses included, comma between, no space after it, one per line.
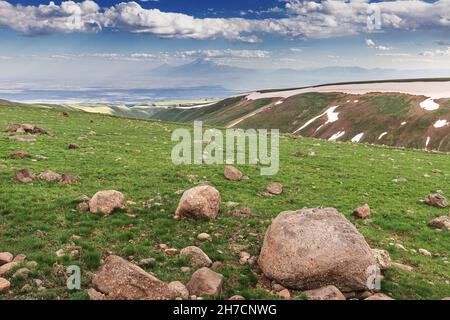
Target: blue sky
(61,39)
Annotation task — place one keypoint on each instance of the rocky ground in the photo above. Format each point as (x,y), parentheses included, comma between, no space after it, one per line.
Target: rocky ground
(101,192)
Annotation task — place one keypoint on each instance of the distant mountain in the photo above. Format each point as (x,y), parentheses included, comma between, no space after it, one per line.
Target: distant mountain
(197,67)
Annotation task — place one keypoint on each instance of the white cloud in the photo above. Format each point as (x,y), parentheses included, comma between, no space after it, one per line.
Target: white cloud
(436,53)
(301,19)
(370,43)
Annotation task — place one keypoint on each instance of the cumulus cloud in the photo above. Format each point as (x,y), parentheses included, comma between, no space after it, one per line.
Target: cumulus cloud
(371,44)
(436,53)
(316,19)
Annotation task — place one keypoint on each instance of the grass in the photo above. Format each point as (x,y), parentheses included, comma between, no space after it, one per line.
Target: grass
(133,156)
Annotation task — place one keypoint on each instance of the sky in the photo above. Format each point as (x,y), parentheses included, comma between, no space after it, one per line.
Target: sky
(73,43)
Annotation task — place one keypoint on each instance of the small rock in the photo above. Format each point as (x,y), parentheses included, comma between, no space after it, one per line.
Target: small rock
(362,212)
(19,154)
(425,252)
(92,133)
(276,287)
(205,282)
(231,204)
(379,296)
(24,175)
(241,212)
(204,237)
(244,256)
(217,265)
(325,293)
(49,176)
(95,295)
(403,267)
(6,257)
(436,200)
(5,285)
(6,268)
(442,222)
(285,294)
(231,173)
(107,201)
(237,297)
(83,207)
(163,246)
(22,273)
(147,262)
(20,258)
(185,269)
(400,247)
(73,146)
(383,258)
(275,188)
(26,288)
(60,253)
(68,179)
(31,264)
(171,251)
(180,289)
(198,258)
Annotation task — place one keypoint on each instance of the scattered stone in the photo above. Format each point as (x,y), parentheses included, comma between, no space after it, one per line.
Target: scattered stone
(22,273)
(49,176)
(19,154)
(204,237)
(362,212)
(66,114)
(403,267)
(60,253)
(198,258)
(24,175)
(199,202)
(25,128)
(276,287)
(275,188)
(400,247)
(147,262)
(171,251)
(231,173)
(425,253)
(6,268)
(285,294)
(217,265)
(180,289)
(205,282)
(95,295)
(83,207)
(311,154)
(6,257)
(68,179)
(73,146)
(400,179)
(231,204)
(299,154)
(185,269)
(436,200)
(241,212)
(92,133)
(440,223)
(26,288)
(23,138)
(31,264)
(163,246)
(107,201)
(237,297)
(325,293)
(20,258)
(383,258)
(5,285)
(244,256)
(313,248)
(379,296)
(122,280)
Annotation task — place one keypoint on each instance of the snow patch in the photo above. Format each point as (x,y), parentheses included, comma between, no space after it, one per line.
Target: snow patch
(403,123)
(429,105)
(332,117)
(358,137)
(336,136)
(440,123)
(382,135)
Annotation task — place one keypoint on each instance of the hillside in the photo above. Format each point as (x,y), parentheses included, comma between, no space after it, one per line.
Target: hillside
(339,112)
(134,157)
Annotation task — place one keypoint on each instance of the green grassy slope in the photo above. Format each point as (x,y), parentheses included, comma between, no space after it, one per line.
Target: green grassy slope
(133,156)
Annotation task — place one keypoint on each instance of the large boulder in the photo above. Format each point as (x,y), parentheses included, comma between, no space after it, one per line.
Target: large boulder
(119,279)
(197,256)
(313,248)
(199,202)
(24,175)
(5,257)
(205,282)
(49,176)
(107,201)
